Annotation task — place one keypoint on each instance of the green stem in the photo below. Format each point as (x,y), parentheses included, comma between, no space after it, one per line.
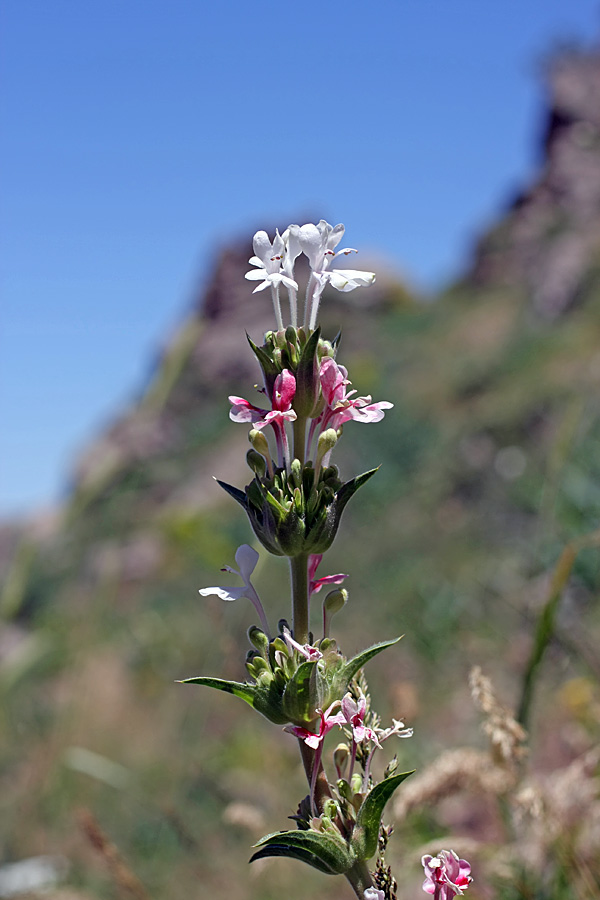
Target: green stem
(299,578)
(299,428)
(360,878)
(322,790)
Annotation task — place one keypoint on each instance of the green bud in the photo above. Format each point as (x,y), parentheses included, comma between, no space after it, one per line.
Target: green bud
(356,783)
(340,757)
(260,665)
(256,462)
(335,600)
(327,441)
(296,473)
(259,441)
(344,789)
(330,808)
(279,644)
(259,640)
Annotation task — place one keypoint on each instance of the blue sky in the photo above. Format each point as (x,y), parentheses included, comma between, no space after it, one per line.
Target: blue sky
(138,137)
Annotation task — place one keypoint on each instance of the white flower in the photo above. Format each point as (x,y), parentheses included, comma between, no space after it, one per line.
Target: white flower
(397,728)
(318,243)
(246,558)
(373,894)
(269,258)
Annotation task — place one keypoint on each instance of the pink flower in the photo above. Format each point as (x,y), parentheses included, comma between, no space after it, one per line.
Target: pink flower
(341,406)
(354,715)
(306,650)
(284,390)
(327,722)
(446,875)
(316,584)
(243,411)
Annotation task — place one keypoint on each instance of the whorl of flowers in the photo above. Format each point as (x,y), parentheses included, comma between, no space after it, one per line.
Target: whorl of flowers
(274,262)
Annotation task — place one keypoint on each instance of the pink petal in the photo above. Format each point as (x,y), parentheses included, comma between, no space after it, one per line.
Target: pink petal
(313,564)
(284,390)
(327,579)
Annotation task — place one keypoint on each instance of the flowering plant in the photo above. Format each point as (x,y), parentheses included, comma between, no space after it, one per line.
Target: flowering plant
(294,502)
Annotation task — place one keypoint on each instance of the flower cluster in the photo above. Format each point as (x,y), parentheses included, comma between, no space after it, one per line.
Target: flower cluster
(274,262)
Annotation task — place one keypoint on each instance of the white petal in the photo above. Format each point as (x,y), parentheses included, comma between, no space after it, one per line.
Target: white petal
(340,282)
(255,274)
(246,557)
(335,235)
(289,282)
(357,275)
(349,279)
(278,245)
(224,593)
(312,244)
(255,261)
(262,245)
(261,287)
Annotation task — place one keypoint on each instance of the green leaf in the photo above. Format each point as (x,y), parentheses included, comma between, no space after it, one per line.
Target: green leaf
(240,689)
(300,699)
(266,363)
(368,819)
(350,488)
(321,850)
(234,492)
(265,699)
(349,670)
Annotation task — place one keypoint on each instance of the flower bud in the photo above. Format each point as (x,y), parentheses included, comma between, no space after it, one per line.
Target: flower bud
(295,478)
(326,443)
(258,639)
(257,463)
(356,782)
(333,602)
(340,757)
(259,441)
(330,808)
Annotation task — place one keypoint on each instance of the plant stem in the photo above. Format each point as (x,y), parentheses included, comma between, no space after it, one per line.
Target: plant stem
(360,878)
(320,789)
(300,438)
(299,578)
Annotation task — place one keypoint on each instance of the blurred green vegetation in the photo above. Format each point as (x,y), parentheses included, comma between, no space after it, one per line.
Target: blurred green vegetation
(489,466)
